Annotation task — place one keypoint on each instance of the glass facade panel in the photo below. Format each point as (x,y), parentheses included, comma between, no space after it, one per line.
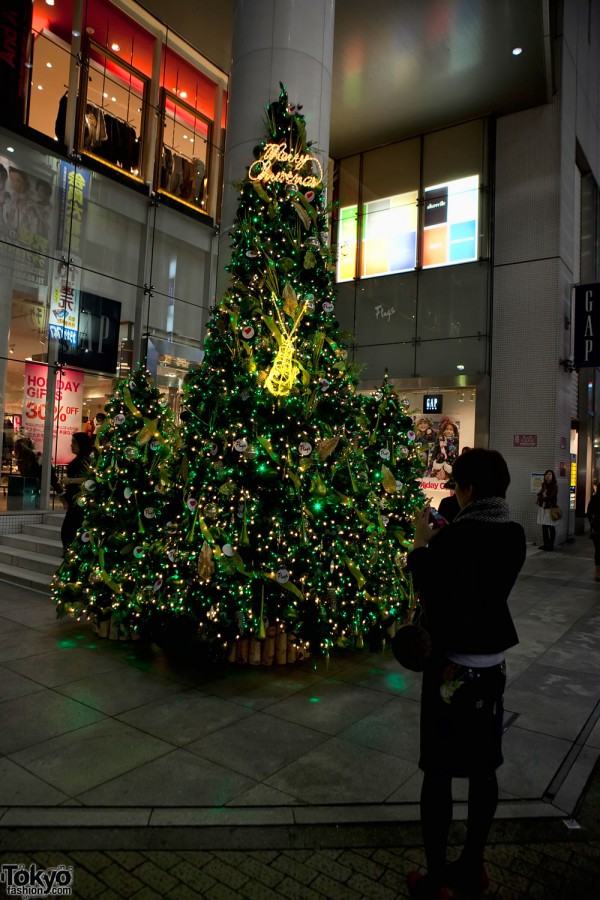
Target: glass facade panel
(453,302)
(386,309)
(460,356)
(398,359)
(394,169)
(88,269)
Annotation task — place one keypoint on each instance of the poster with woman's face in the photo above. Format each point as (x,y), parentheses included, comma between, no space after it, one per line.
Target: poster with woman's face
(438,444)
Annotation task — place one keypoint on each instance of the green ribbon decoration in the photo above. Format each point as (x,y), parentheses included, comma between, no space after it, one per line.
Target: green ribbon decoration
(129,403)
(115,588)
(273,328)
(289,585)
(355,572)
(265,443)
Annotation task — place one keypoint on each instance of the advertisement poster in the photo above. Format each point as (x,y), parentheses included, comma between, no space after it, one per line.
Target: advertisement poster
(450,222)
(64,302)
(26,217)
(67,408)
(438,444)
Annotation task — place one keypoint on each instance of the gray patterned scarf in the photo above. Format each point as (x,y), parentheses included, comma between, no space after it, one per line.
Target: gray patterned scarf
(490,509)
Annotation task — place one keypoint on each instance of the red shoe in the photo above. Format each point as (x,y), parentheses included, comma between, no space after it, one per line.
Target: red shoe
(420,887)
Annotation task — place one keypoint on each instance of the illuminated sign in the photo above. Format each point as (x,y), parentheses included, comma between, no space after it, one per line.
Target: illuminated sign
(587,325)
(390,235)
(433,403)
(450,222)
(291,164)
(346,243)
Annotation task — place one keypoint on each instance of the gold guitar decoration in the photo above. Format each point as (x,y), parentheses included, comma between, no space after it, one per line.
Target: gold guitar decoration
(280,379)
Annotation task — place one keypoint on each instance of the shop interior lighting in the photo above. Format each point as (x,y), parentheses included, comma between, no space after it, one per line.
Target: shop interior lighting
(48,65)
(90,30)
(517,51)
(49,2)
(40,87)
(77,33)
(105,95)
(10,149)
(113,99)
(115,47)
(460,367)
(472,397)
(461,396)
(183,94)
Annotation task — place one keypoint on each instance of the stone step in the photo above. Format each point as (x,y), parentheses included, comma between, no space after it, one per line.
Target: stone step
(54,518)
(29,561)
(52,532)
(32,542)
(39,581)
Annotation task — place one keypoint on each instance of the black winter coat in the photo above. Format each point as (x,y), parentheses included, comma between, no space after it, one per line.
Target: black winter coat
(464,578)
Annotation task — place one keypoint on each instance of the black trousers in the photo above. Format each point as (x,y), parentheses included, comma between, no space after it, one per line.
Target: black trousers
(596,539)
(549,533)
(72,521)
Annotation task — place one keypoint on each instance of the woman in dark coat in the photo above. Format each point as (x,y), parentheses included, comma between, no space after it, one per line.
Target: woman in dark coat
(77,472)
(546,500)
(463,684)
(593,514)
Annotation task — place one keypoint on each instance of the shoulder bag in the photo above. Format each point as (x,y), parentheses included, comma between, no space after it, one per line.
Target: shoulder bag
(411,645)
(555,513)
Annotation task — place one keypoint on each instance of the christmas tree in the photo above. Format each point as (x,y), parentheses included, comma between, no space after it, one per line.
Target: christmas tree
(282,525)
(114,568)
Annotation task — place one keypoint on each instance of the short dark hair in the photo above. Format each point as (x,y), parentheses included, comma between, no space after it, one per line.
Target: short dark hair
(484,470)
(85,444)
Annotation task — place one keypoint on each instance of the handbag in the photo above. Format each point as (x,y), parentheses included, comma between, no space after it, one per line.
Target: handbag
(555,513)
(411,645)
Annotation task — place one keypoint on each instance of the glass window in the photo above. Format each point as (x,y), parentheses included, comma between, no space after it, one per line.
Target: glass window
(112,111)
(459,356)
(450,222)
(389,242)
(453,302)
(183,158)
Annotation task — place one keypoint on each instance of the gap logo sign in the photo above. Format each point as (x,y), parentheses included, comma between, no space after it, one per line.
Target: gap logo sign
(586,349)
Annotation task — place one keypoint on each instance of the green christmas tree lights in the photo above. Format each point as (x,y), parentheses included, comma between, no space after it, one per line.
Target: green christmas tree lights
(284,498)
(114,568)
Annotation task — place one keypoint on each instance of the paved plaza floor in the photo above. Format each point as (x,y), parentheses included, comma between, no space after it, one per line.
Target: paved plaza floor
(115,753)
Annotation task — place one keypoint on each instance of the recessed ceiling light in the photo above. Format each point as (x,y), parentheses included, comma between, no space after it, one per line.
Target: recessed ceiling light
(76,33)
(183,94)
(460,367)
(114,99)
(517,51)
(185,137)
(40,87)
(115,47)
(191,140)
(90,30)
(49,2)
(105,94)
(48,65)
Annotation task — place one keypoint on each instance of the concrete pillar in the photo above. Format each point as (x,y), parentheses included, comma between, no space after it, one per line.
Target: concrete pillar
(287,41)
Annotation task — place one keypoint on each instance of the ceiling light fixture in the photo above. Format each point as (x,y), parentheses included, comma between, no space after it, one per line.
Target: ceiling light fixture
(10,149)
(49,2)
(460,367)
(115,47)
(48,65)
(183,94)
(517,51)
(40,87)
(90,30)
(113,99)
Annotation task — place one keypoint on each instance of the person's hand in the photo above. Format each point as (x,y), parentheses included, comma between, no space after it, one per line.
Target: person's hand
(423,530)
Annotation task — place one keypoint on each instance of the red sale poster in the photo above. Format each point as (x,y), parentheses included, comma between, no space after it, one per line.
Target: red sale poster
(67,409)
